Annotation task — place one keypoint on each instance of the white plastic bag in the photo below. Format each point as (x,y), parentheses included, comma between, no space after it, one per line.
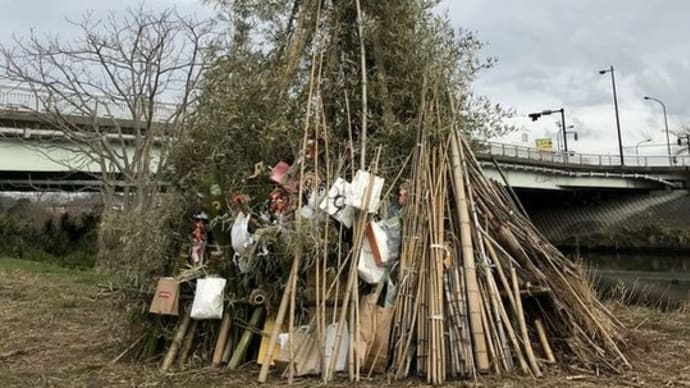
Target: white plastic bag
(208,299)
(308,211)
(239,234)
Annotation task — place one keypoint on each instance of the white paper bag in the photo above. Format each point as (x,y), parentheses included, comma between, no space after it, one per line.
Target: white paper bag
(335,204)
(356,192)
(208,299)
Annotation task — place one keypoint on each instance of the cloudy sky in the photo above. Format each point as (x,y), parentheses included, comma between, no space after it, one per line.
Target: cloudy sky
(549,54)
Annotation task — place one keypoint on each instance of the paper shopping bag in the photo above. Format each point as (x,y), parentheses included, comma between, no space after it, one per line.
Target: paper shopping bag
(166,300)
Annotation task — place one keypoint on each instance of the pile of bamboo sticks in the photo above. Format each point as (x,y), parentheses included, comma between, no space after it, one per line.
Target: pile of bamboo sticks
(481,289)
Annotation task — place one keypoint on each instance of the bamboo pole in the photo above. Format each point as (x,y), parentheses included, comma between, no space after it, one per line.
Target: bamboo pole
(478,336)
(352,282)
(177,341)
(280,316)
(363,64)
(290,289)
(227,349)
(243,344)
(520,316)
(217,358)
(514,341)
(187,344)
(541,333)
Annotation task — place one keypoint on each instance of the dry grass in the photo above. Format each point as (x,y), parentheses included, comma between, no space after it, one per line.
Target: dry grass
(55,327)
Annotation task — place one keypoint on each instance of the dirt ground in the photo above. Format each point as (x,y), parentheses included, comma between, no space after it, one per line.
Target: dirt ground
(55,330)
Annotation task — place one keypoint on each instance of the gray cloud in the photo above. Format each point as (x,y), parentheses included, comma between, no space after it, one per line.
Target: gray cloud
(549,53)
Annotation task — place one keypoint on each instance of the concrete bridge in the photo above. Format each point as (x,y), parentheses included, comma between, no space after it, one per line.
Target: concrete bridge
(533,169)
(35,156)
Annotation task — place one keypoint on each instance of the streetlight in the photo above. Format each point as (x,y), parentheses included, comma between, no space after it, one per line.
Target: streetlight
(565,132)
(637,148)
(615,105)
(537,115)
(668,142)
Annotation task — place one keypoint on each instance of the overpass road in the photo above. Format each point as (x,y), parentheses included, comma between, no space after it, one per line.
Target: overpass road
(531,168)
(29,158)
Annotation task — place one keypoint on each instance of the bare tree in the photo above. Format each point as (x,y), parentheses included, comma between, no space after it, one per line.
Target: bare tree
(100,96)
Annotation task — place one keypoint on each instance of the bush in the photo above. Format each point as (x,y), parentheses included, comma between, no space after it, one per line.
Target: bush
(33,231)
(139,246)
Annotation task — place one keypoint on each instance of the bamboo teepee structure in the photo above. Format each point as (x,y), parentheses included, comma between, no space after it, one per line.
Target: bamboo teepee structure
(482,291)
(479,289)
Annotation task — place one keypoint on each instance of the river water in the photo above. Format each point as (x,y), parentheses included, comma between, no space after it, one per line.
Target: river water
(648,279)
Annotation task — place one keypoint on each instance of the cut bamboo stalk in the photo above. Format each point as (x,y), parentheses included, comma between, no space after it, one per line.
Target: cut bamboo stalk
(520,316)
(491,300)
(355,333)
(243,344)
(541,332)
(177,341)
(478,336)
(351,283)
(491,346)
(280,317)
(290,289)
(514,341)
(501,274)
(362,219)
(187,344)
(222,340)
(227,349)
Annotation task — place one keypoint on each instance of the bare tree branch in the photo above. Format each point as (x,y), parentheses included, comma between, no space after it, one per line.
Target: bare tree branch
(103,92)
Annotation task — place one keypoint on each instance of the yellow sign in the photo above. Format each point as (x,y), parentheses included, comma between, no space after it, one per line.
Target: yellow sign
(545,144)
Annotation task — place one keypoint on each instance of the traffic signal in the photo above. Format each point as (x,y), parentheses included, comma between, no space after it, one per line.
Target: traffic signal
(534,116)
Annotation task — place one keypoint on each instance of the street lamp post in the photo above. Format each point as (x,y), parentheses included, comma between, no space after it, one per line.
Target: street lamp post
(537,115)
(637,148)
(564,133)
(668,141)
(615,106)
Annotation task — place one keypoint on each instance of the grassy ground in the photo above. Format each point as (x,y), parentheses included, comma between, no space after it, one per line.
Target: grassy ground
(55,330)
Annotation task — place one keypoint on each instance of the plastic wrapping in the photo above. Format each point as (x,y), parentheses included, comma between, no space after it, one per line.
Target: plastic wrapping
(208,299)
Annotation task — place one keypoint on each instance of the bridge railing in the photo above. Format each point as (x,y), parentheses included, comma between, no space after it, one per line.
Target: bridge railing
(529,153)
(18,98)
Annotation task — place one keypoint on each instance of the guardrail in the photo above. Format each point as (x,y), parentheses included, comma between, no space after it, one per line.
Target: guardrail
(577,159)
(23,99)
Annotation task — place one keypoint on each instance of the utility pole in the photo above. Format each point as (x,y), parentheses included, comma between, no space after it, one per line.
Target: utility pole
(535,116)
(615,106)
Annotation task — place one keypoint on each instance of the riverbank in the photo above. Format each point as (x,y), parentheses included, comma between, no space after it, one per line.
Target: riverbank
(57,330)
(655,221)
